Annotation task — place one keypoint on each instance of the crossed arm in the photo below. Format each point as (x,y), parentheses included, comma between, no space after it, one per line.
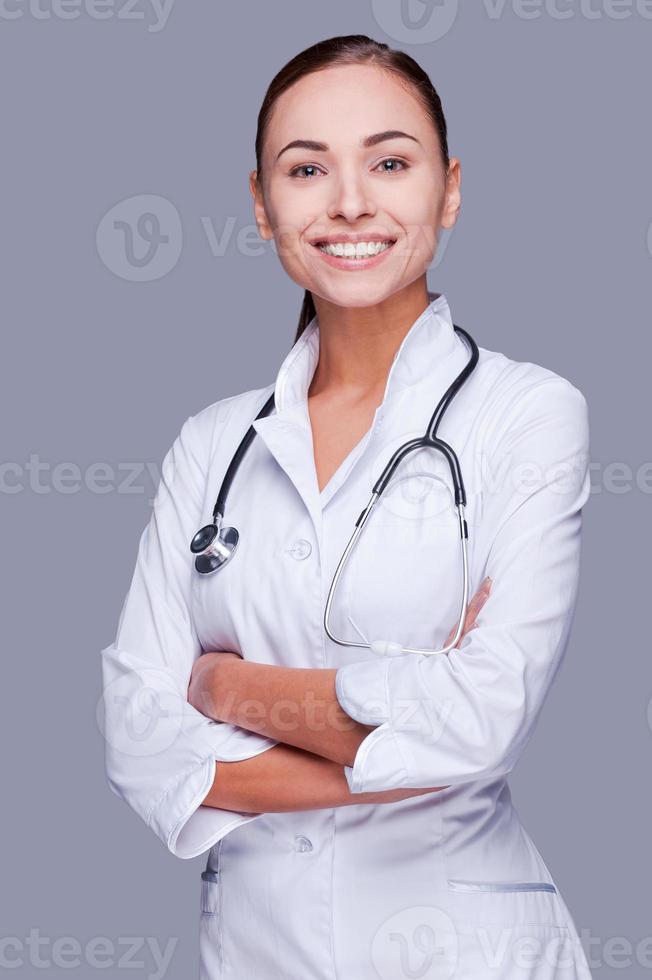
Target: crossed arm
(298,707)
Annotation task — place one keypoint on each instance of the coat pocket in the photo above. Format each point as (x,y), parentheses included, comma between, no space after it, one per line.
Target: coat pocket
(511,929)
(501,902)
(469,885)
(210,927)
(210,892)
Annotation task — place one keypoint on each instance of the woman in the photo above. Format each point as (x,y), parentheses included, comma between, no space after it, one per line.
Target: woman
(355,806)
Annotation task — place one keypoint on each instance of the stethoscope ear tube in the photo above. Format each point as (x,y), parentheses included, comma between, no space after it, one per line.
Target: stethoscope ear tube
(424,442)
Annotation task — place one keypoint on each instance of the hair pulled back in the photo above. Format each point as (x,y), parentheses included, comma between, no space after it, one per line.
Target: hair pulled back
(349,49)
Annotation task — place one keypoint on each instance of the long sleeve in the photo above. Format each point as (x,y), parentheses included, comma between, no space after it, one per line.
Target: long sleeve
(450,719)
(160,751)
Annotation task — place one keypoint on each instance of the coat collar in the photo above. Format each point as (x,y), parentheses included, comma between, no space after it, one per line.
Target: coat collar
(429,340)
(428,358)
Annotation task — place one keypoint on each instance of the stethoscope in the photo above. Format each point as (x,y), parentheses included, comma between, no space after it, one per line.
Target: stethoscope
(214,545)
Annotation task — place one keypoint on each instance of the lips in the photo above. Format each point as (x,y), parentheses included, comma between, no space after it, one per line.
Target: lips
(355,263)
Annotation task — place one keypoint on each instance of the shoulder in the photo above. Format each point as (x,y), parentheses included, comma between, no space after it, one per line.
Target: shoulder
(505,379)
(244,405)
(520,396)
(201,433)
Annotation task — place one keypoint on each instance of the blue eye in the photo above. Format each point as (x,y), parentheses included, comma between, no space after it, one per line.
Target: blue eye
(311,166)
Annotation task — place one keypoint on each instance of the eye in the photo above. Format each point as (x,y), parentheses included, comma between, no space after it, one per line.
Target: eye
(394,160)
(295,172)
(303,166)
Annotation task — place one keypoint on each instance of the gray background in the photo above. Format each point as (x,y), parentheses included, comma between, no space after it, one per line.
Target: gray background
(550,262)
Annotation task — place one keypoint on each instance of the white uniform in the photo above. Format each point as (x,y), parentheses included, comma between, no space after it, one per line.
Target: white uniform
(448,884)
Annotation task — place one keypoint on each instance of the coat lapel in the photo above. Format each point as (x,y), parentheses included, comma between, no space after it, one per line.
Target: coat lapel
(288,436)
(428,359)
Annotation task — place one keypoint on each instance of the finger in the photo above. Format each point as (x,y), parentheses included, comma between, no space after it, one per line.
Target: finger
(484,593)
(480,597)
(485,588)
(472,609)
(468,619)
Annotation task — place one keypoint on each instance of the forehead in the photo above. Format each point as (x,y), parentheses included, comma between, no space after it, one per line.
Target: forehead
(341,104)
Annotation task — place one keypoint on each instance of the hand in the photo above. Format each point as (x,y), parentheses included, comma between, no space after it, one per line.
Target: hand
(472,610)
(200,687)
(396,795)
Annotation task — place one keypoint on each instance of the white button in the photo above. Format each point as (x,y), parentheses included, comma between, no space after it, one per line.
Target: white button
(302,843)
(300,549)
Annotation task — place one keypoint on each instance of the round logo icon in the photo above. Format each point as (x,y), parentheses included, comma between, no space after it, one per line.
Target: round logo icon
(139,239)
(418,943)
(138,714)
(415,21)
(420,489)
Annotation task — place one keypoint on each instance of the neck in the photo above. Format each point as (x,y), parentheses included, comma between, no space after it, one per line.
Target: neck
(357,344)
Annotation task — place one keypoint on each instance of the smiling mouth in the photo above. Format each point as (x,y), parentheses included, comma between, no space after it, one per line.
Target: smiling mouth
(349,250)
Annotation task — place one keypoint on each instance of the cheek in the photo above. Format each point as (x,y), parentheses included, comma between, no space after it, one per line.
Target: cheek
(289,219)
(418,215)
(291,251)
(293,205)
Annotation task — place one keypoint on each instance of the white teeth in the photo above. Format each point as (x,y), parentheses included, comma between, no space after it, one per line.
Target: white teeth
(360,250)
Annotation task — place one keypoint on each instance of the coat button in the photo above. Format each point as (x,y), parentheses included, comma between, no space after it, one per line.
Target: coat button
(301,549)
(302,843)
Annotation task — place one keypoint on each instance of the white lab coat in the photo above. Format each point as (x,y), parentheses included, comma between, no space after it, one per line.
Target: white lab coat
(448,884)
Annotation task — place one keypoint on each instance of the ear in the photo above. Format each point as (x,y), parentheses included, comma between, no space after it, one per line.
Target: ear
(453,197)
(264,228)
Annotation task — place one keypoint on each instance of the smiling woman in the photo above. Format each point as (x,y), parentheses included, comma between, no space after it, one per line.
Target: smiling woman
(356,179)
(355,807)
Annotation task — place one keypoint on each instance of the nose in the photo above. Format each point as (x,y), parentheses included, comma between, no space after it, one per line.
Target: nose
(351,198)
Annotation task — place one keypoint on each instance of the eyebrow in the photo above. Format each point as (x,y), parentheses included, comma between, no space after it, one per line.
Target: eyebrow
(317,147)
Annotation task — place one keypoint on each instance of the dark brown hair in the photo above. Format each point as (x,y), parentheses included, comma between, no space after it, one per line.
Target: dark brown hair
(349,49)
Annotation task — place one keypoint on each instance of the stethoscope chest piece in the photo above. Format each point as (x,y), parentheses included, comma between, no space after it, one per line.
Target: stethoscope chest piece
(213,547)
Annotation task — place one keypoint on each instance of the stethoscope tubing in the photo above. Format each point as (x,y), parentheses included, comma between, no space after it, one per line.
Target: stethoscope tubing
(210,540)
